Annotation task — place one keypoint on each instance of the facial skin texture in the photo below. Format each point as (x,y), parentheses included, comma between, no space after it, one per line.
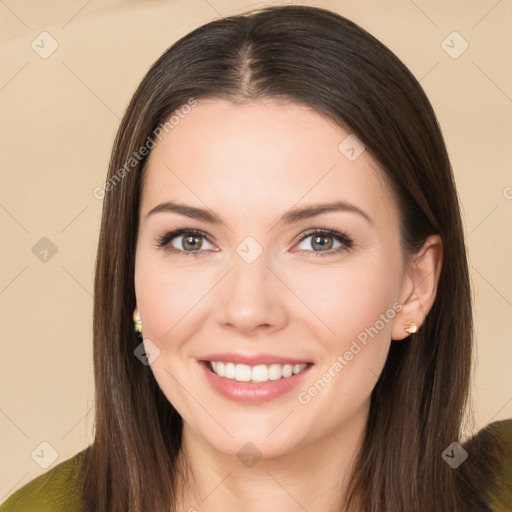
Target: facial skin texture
(250,164)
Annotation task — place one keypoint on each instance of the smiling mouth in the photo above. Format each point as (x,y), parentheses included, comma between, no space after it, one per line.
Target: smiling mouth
(255,374)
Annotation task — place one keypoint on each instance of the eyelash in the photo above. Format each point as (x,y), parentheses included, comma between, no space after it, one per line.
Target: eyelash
(343,238)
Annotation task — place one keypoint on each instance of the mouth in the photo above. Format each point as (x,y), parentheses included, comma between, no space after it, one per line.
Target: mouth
(253,383)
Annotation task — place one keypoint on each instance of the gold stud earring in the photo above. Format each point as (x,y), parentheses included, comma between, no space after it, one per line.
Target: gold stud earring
(411,327)
(137,323)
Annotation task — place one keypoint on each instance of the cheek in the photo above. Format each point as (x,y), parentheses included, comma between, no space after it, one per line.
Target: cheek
(356,308)
(348,299)
(166,297)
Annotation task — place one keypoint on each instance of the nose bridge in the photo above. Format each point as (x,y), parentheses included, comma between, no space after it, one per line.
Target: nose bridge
(251,277)
(250,294)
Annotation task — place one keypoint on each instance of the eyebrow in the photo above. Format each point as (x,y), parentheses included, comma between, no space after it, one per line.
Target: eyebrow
(289,217)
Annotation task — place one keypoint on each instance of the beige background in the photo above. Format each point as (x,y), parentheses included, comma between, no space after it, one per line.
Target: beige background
(59,116)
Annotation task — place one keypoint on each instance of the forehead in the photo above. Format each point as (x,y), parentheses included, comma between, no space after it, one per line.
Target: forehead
(262,158)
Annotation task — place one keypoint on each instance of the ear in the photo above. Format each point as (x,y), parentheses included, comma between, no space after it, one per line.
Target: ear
(419,286)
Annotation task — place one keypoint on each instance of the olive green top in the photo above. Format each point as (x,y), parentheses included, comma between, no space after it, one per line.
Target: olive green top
(58,490)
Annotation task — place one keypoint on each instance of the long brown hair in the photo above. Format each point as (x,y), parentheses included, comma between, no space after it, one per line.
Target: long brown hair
(314,57)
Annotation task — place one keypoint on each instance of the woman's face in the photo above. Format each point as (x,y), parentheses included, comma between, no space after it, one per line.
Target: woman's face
(257,283)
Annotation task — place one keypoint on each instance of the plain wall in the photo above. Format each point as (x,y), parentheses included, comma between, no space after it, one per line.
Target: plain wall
(59,116)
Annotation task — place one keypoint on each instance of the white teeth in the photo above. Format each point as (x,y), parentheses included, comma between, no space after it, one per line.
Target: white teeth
(254,374)
(297,368)
(287,370)
(229,371)
(242,373)
(274,372)
(260,373)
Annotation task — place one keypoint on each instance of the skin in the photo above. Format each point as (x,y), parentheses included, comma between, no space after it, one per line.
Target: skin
(250,164)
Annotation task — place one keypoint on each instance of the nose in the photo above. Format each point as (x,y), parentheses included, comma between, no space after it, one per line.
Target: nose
(251,298)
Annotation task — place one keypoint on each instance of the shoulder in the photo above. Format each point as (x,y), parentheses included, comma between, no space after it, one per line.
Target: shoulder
(492,447)
(57,490)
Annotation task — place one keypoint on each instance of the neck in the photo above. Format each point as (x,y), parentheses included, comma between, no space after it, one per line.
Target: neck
(312,477)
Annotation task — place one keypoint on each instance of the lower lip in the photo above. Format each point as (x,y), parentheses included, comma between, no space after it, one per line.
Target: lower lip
(248,393)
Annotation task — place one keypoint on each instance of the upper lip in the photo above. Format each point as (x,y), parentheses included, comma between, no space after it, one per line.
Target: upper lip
(253,360)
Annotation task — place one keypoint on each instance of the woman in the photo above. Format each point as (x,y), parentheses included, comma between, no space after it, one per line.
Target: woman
(281,222)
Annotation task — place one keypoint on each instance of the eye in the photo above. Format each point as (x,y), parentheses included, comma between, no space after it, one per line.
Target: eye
(191,243)
(325,240)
